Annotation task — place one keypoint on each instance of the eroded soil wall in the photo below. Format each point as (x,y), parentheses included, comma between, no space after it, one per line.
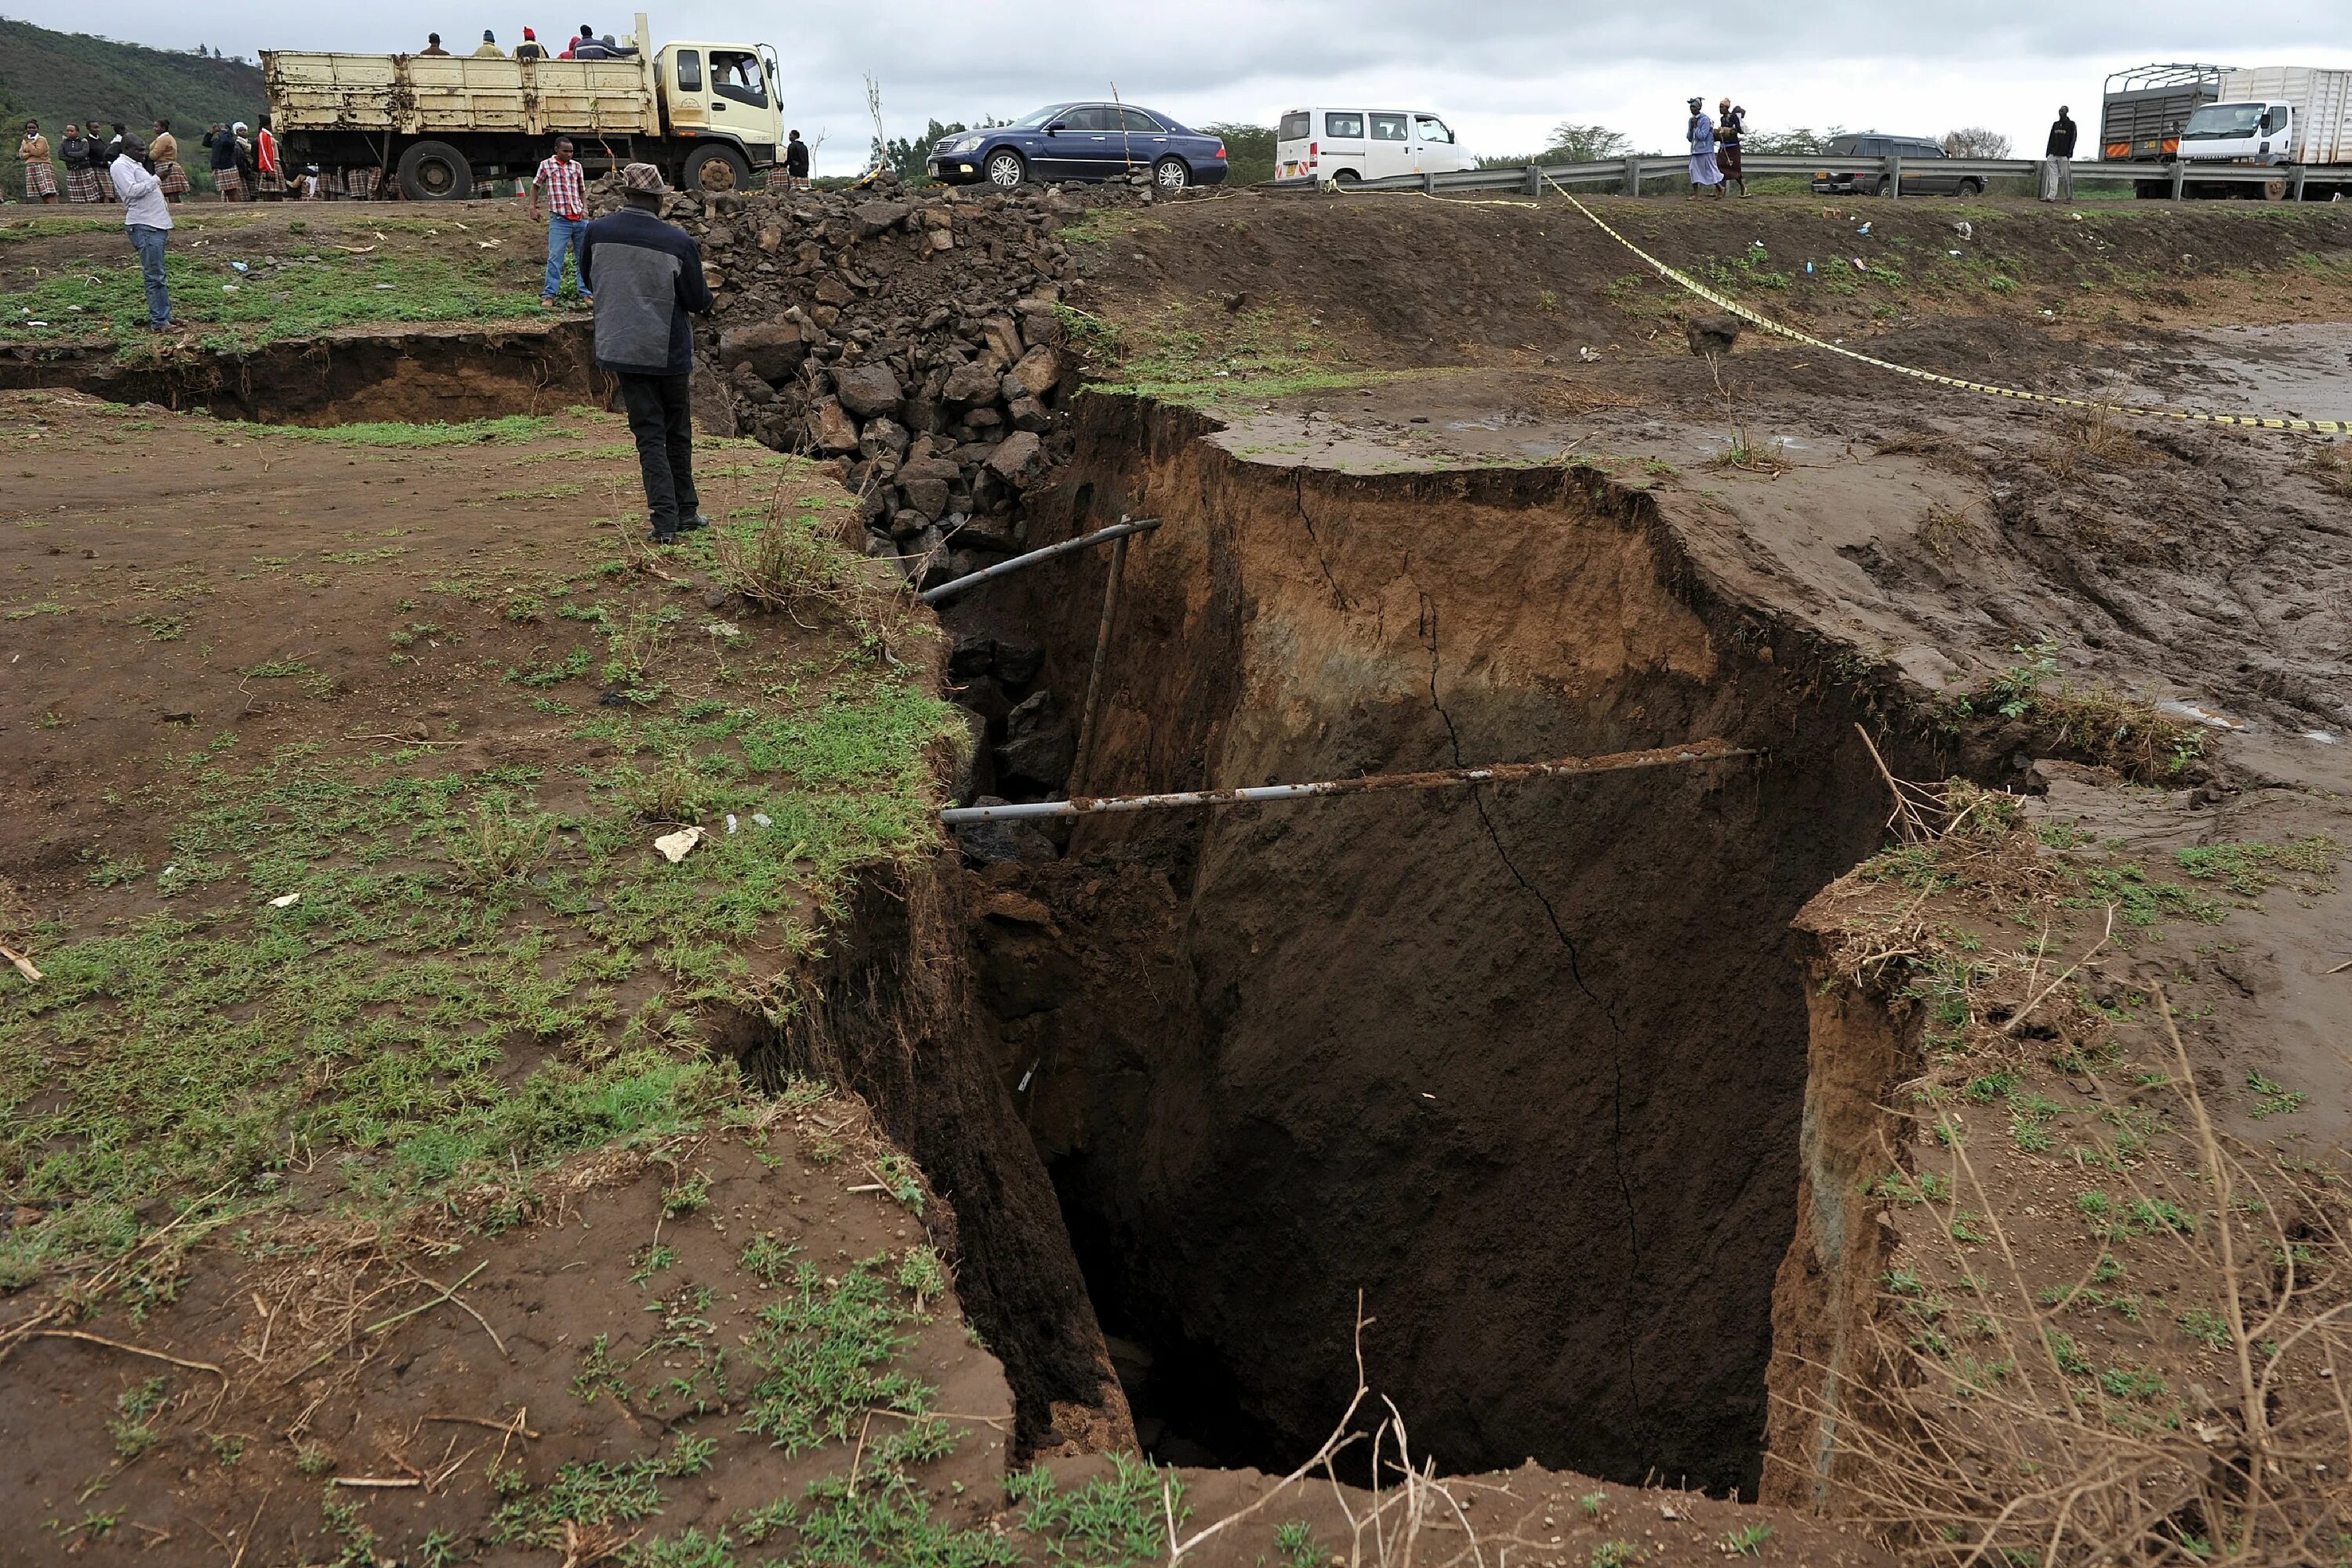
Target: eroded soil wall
(419,375)
(1524,1067)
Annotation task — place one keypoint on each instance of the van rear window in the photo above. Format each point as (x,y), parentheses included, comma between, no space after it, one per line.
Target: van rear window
(1344,127)
(1293,127)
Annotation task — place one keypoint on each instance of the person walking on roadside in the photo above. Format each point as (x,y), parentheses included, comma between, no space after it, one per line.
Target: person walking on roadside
(40,178)
(796,161)
(566,185)
(1730,130)
(270,179)
(431,44)
(221,143)
(2058,159)
(81,171)
(163,154)
(646,277)
(1704,173)
(147,218)
(531,48)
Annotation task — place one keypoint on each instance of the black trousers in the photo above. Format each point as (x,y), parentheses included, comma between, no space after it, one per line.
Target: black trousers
(661,416)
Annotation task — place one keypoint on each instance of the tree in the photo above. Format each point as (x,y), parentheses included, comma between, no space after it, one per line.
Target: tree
(1574,144)
(909,157)
(1802,142)
(1975,142)
(1249,152)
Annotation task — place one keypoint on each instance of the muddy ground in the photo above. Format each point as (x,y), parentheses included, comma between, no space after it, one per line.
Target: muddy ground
(1543,1072)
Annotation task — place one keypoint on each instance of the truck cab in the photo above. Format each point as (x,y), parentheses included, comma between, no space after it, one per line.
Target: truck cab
(725,94)
(2240,133)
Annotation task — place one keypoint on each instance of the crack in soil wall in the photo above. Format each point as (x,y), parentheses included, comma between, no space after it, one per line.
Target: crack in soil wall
(1526,1067)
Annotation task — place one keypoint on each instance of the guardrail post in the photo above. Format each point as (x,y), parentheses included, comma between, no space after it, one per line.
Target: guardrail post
(1633,176)
(2179,178)
(1891,182)
(1534,180)
(1429,183)
(2295,185)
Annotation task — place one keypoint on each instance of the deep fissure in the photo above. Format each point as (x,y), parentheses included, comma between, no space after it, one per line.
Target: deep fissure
(1274,1055)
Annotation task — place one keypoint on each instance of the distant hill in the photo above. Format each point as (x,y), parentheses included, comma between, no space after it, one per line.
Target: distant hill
(58,77)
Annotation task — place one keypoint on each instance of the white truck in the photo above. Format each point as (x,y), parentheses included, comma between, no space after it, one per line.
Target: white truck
(2275,116)
(706,113)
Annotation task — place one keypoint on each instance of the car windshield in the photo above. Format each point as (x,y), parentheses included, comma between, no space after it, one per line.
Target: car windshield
(2216,120)
(1043,116)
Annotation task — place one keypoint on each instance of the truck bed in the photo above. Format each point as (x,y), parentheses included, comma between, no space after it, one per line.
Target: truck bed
(428,95)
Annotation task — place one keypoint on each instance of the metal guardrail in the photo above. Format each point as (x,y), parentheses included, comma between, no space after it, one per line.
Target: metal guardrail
(1630,175)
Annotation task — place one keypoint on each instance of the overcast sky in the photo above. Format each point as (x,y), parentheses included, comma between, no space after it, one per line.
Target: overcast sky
(1504,71)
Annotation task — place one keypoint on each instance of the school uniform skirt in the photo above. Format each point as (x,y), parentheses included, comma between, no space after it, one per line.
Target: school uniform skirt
(174,178)
(81,185)
(40,180)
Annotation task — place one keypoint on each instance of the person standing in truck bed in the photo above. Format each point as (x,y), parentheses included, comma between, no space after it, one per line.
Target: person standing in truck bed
(646,277)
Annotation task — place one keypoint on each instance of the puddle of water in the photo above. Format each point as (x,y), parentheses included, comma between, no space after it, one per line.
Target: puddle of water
(2302,371)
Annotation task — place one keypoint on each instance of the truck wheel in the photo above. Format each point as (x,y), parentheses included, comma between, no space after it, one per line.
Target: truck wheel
(435,172)
(2274,190)
(1968,189)
(715,170)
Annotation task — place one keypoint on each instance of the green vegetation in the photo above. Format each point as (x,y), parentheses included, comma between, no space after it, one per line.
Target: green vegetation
(1111,1520)
(289,297)
(1747,1540)
(1249,152)
(60,77)
(1203,354)
(2096,722)
(823,1357)
(511,427)
(443,999)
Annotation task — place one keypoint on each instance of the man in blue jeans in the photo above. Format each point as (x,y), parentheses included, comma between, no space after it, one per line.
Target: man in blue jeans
(567,218)
(648,283)
(148,217)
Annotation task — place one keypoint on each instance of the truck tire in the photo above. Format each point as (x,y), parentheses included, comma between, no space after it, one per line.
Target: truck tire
(715,169)
(1969,188)
(435,172)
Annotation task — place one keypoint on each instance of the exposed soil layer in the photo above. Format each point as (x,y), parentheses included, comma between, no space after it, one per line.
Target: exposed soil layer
(1523,1067)
(416,374)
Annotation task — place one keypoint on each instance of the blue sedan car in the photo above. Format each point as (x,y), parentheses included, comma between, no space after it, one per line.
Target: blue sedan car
(1081,141)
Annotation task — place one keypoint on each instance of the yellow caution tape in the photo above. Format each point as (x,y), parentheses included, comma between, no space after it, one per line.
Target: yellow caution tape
(1684,280)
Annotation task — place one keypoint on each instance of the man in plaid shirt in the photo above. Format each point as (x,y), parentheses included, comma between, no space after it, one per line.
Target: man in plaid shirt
(567,218)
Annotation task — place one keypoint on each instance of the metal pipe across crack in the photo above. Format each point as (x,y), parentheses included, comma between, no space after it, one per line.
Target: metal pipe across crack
(1118,529)
(1710,751)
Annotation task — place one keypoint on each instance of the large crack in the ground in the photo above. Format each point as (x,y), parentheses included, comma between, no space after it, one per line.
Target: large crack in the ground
(1524,1066)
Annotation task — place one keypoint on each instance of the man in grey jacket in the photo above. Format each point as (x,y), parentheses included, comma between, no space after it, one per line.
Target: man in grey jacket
(646,277)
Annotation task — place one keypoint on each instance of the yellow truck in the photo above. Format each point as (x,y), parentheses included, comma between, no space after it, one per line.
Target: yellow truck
(706,113)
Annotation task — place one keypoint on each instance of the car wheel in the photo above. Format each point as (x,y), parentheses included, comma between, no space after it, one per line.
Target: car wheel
(1171,174)
(716,170)
(435,172)
(1005,168)
(1968,189)
(1347,177)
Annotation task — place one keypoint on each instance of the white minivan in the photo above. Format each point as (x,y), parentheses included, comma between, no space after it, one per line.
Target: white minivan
(1350,144)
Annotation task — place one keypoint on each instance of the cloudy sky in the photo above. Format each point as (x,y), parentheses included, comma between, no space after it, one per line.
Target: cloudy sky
(1504,71)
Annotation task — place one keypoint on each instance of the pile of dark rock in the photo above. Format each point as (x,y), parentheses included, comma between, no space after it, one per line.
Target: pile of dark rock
(914,335)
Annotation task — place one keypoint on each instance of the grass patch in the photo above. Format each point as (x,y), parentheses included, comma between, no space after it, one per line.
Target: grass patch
(289,297)
(2095,724)
(1201,354)
(511,427)
(444,1002)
